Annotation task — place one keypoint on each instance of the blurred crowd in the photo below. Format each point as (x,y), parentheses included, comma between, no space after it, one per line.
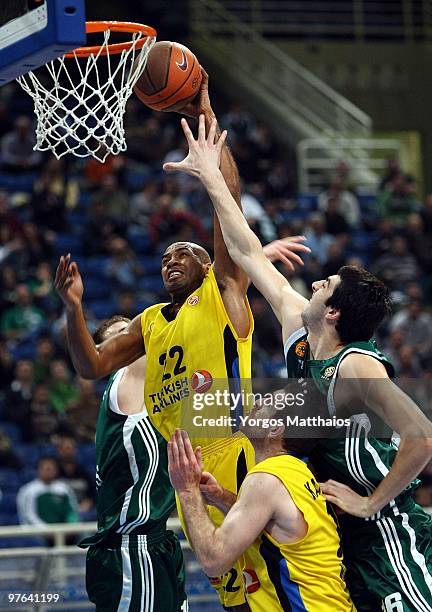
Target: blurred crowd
(117,218)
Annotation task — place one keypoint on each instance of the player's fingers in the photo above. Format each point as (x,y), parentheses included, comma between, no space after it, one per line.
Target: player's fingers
(329,489)
(221,141)
(332,499)
(295,246)
(180,446)
(188,447)
(73,268)
(62,266)
(325,487)
(68,283)
(201,129)
(170,455)
(198,455)
(292,256)
(335,483)
(285,261)
(59,271)
(294,239)
(212,132)
(188,133)
(171,166)
(205,78)
(64,282)
(175,452)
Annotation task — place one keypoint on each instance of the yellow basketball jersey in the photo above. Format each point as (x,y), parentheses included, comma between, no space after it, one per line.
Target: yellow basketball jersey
(306,575)
(197,351)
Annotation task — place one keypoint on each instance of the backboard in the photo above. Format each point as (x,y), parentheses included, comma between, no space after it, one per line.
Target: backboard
(33,32)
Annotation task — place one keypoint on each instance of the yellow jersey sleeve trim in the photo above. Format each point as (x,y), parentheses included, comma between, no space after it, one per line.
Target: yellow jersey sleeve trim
(212,277)
(147,317)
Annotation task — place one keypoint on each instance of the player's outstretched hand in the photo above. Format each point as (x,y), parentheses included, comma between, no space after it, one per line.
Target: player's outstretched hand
(68,282)
(201,104)
(204,152)
(284,250)
(183,464)
(346,499)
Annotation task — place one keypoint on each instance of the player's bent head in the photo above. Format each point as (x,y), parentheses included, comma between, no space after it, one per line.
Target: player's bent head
(184,267)
(362,300)
(268,425)
(263,422)
(110,327)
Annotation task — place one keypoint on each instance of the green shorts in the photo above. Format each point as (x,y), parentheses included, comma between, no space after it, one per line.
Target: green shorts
(389,560)
(137,573)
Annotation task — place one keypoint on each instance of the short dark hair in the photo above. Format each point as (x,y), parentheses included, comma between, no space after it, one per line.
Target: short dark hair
(197,249)
(100,334)
(363,301)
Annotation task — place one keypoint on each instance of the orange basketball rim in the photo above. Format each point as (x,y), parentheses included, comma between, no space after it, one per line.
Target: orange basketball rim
(128,27)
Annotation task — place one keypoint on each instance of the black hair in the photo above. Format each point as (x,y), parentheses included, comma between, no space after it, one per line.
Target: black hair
(363,301)
(100,334)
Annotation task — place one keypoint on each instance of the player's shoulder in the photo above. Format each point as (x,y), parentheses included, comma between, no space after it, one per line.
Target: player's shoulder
(154,309)
(262,479)
(362,365)
(150,313)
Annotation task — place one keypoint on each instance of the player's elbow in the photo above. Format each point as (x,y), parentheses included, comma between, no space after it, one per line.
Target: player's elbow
(88,372)
(216,567)
(217,563)
(427,443)
(420,443)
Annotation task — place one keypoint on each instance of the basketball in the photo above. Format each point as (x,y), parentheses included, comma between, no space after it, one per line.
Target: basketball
(171,78)
(201,381)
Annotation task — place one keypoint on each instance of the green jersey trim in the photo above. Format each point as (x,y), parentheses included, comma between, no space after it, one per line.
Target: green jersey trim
(394,550)
(330,394)
(293,338)
(354,434)
(136,422)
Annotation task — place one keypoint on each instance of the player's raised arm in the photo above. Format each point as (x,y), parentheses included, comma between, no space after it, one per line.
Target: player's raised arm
(224,266)
(364,379)
(218,548)
(91,361)
(243,245)
(232,280)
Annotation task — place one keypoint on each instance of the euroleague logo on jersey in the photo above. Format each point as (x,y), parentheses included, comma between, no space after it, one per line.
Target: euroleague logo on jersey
(201,381)
(193,300)
(300,348)
(252,584)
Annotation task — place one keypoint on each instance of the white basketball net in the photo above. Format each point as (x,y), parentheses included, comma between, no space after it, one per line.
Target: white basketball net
(80,101)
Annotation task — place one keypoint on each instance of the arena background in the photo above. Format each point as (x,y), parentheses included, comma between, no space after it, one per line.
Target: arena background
(327,108)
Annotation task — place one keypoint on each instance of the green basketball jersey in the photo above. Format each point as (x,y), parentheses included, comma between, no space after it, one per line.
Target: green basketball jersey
(134,493)
(355,459)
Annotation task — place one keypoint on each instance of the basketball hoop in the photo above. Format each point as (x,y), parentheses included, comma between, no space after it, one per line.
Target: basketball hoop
(80,98)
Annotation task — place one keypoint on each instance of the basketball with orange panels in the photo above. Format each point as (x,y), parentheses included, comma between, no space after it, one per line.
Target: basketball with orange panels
(171,78)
